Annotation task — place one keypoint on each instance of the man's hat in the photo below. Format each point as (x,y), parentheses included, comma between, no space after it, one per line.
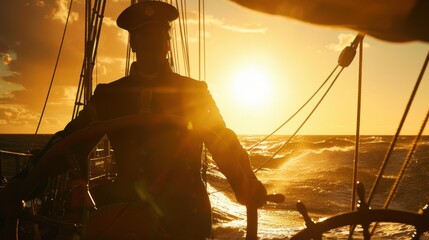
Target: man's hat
(145,12)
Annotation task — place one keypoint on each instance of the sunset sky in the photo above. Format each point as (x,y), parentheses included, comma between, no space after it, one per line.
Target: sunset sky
(284,59)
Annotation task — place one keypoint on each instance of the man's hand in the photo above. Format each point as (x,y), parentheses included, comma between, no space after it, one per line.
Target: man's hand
(251,192)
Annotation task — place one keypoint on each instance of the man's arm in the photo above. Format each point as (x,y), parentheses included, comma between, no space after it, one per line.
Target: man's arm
(233,162)
(229,155)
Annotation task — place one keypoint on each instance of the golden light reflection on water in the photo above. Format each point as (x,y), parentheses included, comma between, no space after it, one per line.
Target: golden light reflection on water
(272,223)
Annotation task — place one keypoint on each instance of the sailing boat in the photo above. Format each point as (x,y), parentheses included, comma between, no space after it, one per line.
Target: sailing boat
(71,227)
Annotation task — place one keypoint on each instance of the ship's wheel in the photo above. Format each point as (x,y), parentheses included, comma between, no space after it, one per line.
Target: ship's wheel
(364,217)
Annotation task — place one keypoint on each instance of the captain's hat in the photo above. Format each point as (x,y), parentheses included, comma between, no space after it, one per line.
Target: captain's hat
(145,12)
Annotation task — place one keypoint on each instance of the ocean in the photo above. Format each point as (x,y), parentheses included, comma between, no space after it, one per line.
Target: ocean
(316,170)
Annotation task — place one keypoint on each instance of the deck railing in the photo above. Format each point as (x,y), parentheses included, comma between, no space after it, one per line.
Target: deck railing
(100,163)
(11,163)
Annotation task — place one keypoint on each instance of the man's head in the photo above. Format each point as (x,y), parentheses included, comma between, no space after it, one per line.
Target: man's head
(148,23)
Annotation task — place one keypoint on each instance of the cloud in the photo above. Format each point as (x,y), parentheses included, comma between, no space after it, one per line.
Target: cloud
(30,36)
(109,22)
(344,40)
(17,116)
(61,12)
(40,3)
(210,20)
(6,59)
(123,36)
(21,120)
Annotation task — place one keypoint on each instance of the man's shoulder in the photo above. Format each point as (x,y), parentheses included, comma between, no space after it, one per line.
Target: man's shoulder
(106,87)
(189,82)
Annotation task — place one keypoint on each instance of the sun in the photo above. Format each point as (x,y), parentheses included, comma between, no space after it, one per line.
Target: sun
(251,87)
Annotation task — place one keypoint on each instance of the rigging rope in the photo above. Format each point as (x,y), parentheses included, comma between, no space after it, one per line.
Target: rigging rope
(53,76)
(299,128)
(129,50)
(410,154)
(403,168)
(358,114)
(302,124)
(92,34)
(204,39)
(183,37)
(344,60)
(357,136)
(393,143)
(293,115)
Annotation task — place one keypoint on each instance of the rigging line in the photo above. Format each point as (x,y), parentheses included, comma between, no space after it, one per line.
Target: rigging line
(53,76)
(357,138)
(92,35)
(403,168)
(97,26)
(82,72)
(85,82)
(393,143)
(185,62)
(358,118)
(78,93)
(175,44)
(344,60)
(175,49)
(290,138)
(204,40)
(128,51)
(184,37)
(127,58)
(405,164)
(185,25)
(170,55)
(302,124)
(199,40)
(290,118)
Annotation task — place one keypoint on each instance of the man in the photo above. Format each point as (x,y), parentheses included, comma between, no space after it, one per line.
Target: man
(397,21)
(159,166)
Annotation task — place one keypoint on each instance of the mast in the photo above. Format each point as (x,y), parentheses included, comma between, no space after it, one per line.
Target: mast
(93,24)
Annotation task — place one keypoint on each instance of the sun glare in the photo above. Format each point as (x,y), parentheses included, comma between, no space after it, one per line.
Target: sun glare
(251,87)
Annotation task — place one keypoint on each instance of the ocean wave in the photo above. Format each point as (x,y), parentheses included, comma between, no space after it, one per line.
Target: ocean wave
(318,171)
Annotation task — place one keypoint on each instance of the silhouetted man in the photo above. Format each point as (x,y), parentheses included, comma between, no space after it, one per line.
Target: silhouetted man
(159,166)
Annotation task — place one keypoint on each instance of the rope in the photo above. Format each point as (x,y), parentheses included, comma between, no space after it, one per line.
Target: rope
(293,115)
(404,167)
(128,51)
(357,138)
(358,116)
(302,124)
(346,57)
(53,76)
(407,160)
(128,57)
(393,143)
(183,37)
(199,40)
(185,27)
(92,35)
(204,40)
(175,49)
(221,188)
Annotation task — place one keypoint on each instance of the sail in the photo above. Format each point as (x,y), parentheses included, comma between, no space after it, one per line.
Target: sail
(400,21)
